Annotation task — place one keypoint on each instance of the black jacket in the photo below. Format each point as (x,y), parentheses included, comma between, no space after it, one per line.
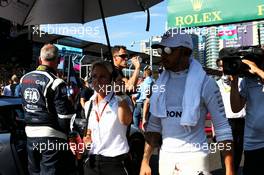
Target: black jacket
(45,101)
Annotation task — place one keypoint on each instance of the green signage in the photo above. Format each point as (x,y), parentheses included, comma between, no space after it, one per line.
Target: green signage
(192,13)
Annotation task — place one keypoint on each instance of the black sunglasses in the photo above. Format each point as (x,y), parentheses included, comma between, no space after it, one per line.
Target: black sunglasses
(123,56)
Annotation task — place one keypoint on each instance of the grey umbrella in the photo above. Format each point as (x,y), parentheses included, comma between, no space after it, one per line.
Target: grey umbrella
(32,12)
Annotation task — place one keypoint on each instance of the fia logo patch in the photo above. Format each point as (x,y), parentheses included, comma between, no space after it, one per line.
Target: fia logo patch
(31,95)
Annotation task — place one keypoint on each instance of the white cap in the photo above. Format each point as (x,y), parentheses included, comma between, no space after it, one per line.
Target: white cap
(175,38)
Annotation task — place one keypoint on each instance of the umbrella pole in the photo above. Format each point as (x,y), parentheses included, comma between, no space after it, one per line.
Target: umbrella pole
(105,29)
(69,69)
(259,38)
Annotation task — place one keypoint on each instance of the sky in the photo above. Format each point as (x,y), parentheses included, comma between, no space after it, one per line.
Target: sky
(123,29)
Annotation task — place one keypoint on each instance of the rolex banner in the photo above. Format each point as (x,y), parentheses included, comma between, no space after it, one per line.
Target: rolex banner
(192,13)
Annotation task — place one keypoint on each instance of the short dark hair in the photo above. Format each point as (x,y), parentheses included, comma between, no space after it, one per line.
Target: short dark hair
(117,48)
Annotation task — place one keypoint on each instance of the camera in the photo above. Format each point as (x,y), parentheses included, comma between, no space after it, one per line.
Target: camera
(232,59)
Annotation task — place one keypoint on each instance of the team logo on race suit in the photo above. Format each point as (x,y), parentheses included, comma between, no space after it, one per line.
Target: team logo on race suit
(31,95)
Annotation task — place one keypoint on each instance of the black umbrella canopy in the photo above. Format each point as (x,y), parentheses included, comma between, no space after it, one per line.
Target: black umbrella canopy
(32,12)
